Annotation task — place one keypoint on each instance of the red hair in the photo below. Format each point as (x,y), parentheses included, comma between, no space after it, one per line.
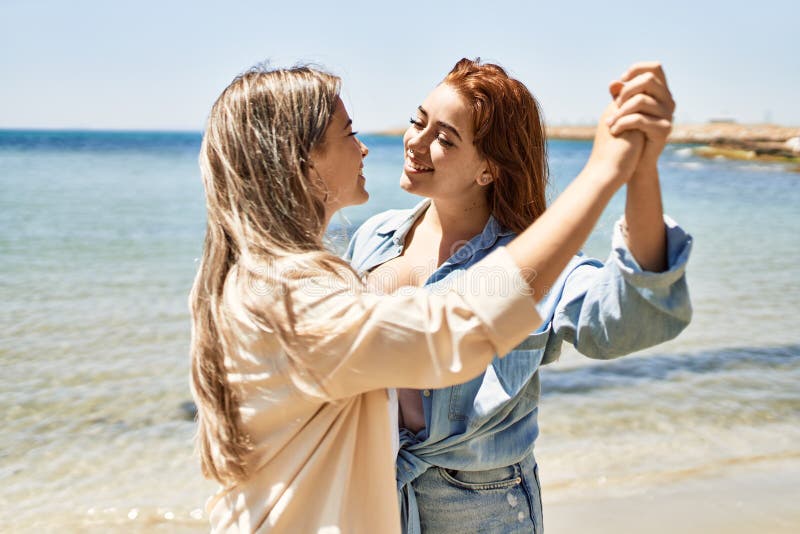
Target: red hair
(509,133)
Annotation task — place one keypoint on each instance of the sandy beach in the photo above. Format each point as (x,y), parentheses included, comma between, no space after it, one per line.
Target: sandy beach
(759,498)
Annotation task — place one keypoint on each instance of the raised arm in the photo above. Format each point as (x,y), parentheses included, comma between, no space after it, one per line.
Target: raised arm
(355,341)
(543,250)
(645,104)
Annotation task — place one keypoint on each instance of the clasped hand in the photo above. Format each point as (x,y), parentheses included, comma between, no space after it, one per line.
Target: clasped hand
(635,126)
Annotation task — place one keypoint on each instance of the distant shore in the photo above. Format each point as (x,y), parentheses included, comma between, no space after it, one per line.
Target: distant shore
(759,142)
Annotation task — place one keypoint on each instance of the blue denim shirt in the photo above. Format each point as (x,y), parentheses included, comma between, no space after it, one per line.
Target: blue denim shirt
(604,310)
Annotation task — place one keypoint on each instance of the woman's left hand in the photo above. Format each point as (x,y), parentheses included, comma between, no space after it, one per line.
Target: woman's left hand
(645,103)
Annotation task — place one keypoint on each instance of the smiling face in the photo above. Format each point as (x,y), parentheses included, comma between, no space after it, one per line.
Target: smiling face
(339,162)
(441,161)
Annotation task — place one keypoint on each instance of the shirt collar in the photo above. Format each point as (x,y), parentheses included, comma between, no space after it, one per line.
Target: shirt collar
(483,241)
(400,226)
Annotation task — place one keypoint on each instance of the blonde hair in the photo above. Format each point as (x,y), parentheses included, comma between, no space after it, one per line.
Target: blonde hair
(263,206)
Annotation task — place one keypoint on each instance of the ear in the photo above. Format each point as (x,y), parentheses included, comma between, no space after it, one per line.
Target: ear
(487,176)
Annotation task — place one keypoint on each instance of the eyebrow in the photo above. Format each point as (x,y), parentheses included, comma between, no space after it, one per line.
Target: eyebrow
(442,123)
(347,124)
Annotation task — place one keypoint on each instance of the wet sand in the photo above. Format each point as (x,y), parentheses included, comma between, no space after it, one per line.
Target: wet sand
(760,498)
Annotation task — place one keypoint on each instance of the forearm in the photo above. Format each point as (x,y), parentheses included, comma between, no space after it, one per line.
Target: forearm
(543,250)
(645,234)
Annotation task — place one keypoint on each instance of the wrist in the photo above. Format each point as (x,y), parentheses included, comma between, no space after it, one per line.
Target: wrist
(646,170)
(605,175)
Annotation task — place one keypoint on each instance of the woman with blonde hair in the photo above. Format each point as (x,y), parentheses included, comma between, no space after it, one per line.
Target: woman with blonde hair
(292,353)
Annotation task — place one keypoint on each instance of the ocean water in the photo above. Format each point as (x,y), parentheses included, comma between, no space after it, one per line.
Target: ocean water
(99,235)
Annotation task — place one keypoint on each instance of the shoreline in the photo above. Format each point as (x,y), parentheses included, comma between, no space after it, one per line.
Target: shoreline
(756,498)
(746,499)
(767,143)
(712,132)
(707,133)
(752,142)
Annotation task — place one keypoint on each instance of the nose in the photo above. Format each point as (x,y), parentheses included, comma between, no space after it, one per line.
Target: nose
(417,143)
(364,149)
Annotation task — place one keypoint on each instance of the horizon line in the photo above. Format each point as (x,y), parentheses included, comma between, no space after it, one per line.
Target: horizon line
(389,131)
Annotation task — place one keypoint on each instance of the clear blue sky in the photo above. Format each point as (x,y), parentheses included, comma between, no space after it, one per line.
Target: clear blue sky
(159,65)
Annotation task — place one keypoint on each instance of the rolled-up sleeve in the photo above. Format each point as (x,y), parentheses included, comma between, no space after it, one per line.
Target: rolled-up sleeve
(350,340)
(612,309)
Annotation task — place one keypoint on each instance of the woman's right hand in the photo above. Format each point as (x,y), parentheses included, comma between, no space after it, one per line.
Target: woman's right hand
(615,156)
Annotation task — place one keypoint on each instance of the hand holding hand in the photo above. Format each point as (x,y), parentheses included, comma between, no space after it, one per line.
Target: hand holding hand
(645,104)
(617,155)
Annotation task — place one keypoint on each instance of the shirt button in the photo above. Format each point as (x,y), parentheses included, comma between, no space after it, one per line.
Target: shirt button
(426,392)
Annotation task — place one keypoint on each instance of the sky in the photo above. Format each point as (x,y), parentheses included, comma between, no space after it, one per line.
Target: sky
(160,65)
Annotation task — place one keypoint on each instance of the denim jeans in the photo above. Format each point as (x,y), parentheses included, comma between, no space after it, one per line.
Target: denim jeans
(503,500)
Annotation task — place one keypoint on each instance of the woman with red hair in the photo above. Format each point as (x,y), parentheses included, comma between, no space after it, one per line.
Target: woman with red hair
(476,150)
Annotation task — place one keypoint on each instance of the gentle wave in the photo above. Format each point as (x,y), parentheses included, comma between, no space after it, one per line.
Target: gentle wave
(626,372)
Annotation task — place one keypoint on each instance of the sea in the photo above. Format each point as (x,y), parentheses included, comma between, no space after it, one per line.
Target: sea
(100,234)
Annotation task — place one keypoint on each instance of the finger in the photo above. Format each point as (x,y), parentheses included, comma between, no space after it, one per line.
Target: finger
(642,67)
(615,87)
(653,128)
(644,104)
(649,84)
(645,83)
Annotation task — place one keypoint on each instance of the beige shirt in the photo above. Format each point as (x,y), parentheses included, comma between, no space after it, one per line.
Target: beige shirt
(318,418)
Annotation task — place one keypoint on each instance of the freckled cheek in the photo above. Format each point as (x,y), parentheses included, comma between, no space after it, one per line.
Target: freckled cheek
(439,158)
